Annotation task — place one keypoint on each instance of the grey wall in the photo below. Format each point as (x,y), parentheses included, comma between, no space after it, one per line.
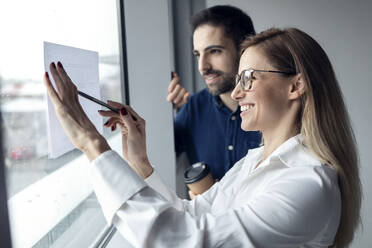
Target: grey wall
(343,28)
(185,63)
(149,66)
(150,61)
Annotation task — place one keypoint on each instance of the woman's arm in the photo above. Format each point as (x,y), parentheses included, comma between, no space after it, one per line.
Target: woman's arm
(291,211)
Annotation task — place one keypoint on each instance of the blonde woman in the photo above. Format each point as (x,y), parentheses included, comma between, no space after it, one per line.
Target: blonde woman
(300,189)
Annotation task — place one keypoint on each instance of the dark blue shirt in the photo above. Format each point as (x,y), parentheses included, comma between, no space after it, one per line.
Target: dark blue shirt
(210,132)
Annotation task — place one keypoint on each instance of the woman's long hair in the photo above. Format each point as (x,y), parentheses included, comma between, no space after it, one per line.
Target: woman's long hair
(323,117)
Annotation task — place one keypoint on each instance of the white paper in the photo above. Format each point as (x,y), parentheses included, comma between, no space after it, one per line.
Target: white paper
(82,67)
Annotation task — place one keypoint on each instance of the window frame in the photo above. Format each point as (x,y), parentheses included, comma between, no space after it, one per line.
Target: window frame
(5,239)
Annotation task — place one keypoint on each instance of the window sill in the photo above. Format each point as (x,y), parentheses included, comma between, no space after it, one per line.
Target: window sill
(34,211)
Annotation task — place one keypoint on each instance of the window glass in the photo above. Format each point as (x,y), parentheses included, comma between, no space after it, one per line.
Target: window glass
(57,189)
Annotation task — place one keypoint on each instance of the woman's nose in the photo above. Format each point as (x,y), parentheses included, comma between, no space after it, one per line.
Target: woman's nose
(237,93)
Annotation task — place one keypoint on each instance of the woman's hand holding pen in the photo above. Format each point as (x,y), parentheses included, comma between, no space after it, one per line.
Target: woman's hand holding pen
(83,133)
(133,130)
(71,115)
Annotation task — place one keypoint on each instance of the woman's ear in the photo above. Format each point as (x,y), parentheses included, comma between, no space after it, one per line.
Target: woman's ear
(298,87)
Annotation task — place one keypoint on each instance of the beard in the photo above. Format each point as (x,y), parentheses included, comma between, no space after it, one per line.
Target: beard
(226,84)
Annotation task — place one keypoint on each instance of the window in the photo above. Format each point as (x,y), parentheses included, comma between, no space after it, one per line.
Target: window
(51,203)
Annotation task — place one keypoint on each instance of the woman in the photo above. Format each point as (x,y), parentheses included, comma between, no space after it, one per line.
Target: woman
(301,189)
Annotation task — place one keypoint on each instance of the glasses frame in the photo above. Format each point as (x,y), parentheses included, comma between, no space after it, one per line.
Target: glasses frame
(238,77)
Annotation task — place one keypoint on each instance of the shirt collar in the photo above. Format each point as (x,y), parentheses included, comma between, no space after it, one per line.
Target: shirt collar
(291,153)
(217,100)
(295,153)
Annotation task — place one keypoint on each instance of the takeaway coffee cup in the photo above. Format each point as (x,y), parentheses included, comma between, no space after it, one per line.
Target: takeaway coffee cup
(198,178)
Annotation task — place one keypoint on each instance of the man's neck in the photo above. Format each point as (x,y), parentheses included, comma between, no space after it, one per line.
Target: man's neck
(228,101)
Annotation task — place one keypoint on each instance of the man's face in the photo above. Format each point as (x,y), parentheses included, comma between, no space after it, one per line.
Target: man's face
(217,58)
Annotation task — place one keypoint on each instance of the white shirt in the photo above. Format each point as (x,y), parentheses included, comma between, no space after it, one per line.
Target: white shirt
(289,200)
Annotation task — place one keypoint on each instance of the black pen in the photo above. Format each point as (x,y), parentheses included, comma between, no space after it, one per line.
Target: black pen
(98,101)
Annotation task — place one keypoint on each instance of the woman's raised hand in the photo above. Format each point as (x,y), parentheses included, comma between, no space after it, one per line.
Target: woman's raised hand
(133,130)
(71,115)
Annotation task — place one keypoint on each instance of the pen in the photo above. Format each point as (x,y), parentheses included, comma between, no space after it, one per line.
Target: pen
(98,101)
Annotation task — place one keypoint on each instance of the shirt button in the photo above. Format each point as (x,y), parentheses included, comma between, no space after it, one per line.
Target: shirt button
(230,147)
(233,118)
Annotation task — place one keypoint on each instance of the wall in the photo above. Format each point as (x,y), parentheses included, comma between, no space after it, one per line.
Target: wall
(343,28)
(185,63)
(150,61)
(149,67)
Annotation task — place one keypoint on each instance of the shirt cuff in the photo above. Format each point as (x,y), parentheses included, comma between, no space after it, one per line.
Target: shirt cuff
(114,182)
(156,183)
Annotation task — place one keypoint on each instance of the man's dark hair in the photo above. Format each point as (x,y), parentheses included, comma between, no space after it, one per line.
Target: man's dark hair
(236,24)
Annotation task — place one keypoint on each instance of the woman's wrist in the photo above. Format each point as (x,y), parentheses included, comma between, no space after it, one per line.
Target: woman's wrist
(143,168)
(95,146)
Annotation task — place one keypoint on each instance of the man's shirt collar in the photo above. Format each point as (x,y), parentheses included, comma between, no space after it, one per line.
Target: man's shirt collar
(217,100)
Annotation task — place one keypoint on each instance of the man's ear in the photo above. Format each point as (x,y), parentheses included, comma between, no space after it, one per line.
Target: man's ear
(297,88)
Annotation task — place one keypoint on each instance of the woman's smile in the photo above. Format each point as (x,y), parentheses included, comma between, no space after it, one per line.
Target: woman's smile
(245,109)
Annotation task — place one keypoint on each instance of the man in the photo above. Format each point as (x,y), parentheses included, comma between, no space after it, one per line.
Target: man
(207,126)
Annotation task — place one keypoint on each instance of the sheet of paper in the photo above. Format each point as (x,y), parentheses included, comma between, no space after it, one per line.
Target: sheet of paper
(82,67)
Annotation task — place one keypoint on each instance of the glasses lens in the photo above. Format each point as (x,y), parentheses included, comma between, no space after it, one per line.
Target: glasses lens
(237,79)
(247,80)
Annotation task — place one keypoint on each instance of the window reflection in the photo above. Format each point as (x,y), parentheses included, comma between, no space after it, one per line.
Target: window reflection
(23,107)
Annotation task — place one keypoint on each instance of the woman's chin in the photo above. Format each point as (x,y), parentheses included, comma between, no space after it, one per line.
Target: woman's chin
(248,128)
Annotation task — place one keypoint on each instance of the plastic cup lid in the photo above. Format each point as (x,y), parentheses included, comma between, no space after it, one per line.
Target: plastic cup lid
(196,172)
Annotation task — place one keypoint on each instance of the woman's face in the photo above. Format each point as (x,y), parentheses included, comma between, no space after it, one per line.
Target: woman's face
(265,105)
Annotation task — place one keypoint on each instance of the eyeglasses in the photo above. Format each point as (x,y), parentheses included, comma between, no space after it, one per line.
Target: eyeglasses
(246,77)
